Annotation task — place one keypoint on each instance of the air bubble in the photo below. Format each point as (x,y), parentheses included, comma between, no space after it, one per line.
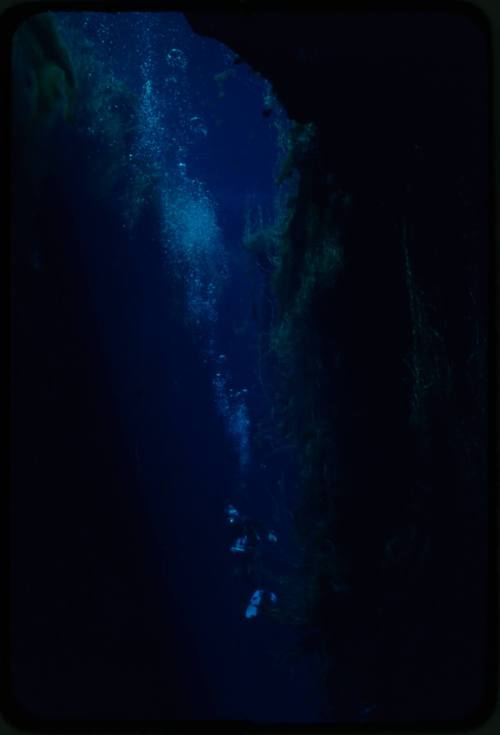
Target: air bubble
(176,58)
(198,127)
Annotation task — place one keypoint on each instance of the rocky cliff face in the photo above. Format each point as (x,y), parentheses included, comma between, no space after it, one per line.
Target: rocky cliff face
(383,293)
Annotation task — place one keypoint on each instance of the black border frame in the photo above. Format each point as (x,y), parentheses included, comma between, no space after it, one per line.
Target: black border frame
(14,715)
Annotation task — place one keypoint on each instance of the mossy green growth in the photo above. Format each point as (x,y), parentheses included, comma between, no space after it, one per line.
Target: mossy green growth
(430,376)
(305,257)
(309,259)
(300,277)
(44,83)
(108,119)
(44,95)
(263,243)
(300,142)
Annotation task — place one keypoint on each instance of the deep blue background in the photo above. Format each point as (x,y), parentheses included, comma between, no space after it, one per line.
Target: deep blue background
(124,599)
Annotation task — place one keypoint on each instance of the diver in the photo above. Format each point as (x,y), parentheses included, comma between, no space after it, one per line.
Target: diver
(245,538)
(247,535)
(262,601)
(248,540)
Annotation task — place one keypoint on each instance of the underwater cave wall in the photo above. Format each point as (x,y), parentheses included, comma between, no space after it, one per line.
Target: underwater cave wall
(381,280)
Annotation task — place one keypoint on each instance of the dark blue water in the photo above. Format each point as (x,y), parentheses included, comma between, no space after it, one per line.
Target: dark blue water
(162,565)
(177,307)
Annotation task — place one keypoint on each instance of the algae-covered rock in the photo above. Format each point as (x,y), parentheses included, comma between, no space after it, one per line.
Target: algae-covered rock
(44,84)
